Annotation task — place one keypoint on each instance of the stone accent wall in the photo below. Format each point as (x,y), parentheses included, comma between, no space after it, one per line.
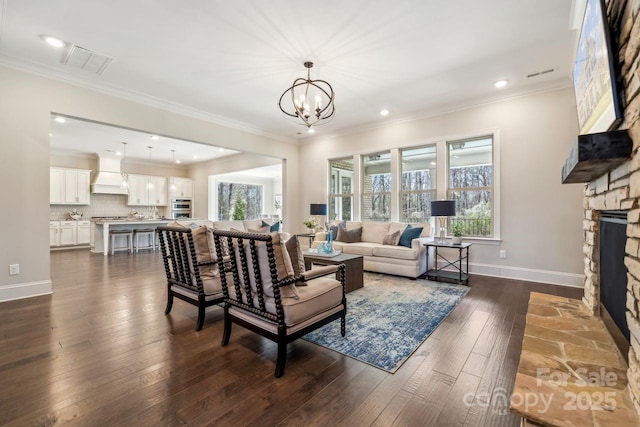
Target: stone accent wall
(620,188)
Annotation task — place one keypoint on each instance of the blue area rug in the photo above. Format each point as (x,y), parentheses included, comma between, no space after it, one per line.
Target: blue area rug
(389,318)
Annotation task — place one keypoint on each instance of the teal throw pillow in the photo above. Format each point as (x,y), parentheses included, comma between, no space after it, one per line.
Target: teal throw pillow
(275,227)
(408,235)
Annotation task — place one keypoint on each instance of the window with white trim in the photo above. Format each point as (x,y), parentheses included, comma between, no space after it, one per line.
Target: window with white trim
(470,184)
(418,172)
(341,189)
(376,187)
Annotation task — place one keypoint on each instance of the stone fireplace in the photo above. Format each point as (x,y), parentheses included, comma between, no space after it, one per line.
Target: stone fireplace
(619,189)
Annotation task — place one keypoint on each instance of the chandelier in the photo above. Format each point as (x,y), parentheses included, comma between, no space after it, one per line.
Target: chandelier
(301,90)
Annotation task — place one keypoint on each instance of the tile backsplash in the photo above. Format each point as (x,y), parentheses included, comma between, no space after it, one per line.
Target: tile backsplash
(102,205)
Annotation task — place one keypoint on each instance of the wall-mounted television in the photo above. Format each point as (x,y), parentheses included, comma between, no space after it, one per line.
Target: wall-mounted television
(594,73)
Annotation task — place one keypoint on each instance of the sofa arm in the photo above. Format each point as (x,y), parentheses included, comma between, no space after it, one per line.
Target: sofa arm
(419,242)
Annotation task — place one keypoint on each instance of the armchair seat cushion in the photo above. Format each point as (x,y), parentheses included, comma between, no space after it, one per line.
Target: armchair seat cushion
(194,294)
(321,294)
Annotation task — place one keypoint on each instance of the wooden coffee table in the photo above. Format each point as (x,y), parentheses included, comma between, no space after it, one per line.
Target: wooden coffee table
(353,263)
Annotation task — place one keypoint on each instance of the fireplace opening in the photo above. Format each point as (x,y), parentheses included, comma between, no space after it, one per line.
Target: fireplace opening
(613,276)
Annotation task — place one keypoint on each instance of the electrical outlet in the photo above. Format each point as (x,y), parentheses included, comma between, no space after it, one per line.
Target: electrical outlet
(14,269)
(503,253)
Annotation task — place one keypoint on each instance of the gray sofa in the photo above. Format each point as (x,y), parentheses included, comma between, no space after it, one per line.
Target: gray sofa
(389,259)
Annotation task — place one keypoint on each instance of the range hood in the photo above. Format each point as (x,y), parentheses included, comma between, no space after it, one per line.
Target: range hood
(108,179)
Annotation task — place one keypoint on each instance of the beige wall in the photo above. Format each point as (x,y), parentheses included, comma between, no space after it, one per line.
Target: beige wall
(27,103)
(541,219)
(90,161)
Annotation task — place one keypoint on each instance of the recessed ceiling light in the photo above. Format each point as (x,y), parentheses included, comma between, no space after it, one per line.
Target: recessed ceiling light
(54,42)
(501,83)
(118,153)
(311,130)
(50,134)
(178,161)
(384,112)
(221,149)
(60,119)
(154,137)
(195,157)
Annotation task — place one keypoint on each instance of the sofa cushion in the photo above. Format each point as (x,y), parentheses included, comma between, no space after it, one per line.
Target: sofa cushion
(253,224)
(409,234)
(349,236)
(261,230)
(334,228)
(426,228)
(228,225)
(397,252)
(360,248)
(374,232)
(397,226)
(392,238)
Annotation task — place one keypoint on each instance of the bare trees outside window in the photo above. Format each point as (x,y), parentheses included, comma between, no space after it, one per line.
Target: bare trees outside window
(239,201)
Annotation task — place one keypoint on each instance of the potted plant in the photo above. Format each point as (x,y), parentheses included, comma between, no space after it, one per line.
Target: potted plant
(457,229)
(311,224)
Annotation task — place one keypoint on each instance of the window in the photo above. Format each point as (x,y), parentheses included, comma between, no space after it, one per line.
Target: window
(470,184)
(239,201)
(418,187)
(341,189)
(376,187)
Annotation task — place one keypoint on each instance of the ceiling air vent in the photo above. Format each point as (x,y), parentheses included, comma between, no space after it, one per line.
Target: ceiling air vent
(540,73)
(86,60)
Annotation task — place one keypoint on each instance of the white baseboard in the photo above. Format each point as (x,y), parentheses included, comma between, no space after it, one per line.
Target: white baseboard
(528,274)
(25,290)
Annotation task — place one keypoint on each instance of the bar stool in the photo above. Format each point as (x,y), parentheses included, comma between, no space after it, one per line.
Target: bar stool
(126,233)
(151,233)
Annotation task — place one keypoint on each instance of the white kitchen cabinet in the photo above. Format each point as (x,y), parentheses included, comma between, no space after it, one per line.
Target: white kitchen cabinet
(54,231)
(69,186)
(56,186)
(76,184)
(83,232)
(147,190)
(181,187)
(68,233)
(158,191)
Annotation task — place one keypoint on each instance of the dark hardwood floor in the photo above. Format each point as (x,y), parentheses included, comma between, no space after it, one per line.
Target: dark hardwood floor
(100,351)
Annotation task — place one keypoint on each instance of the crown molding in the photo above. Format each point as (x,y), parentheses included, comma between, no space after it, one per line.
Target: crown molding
(141,98)
(427,114)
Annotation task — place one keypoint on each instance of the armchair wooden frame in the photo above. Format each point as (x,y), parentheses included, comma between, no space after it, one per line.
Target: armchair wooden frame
(183,270)
(230,239)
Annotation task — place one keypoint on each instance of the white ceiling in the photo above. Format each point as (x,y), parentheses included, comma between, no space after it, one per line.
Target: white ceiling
(229,61)
(81,137)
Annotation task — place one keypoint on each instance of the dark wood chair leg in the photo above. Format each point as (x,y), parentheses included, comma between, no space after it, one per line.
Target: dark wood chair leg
(343,324)
(167,310)
(200,317)
(227,327)
(282,357)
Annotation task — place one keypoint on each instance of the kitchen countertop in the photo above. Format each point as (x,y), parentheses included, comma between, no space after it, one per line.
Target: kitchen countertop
(132,221)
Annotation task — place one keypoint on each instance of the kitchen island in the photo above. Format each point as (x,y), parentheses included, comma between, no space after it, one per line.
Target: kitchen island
(100,229)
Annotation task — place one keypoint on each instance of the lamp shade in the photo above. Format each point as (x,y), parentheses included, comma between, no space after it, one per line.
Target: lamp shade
(443,208)
(318,209)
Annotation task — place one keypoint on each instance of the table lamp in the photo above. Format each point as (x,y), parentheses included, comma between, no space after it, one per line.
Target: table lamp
(442,209)
(318,209)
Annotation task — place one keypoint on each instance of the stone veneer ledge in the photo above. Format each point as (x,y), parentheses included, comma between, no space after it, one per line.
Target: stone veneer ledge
(619,189)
